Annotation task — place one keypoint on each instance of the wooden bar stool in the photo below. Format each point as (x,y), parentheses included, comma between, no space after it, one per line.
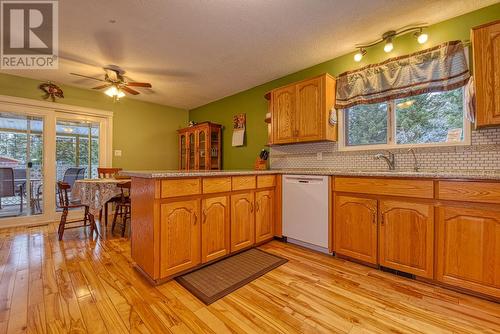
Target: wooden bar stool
(107,173)
(66,204)
(123,207)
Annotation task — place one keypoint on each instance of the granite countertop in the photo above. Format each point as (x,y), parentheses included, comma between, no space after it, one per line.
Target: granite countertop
(152,174)
(456,174)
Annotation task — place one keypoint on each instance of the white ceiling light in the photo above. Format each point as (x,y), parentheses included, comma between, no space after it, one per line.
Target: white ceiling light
(359,55)
(421,37)
(114,92)
(388,47)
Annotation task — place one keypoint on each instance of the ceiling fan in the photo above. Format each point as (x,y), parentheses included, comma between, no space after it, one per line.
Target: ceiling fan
(116,83)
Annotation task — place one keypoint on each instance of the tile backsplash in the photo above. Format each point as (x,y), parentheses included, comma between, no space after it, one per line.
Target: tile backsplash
(482,154)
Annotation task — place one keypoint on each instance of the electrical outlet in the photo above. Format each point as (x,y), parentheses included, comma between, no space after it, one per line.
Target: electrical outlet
(118,153)
(319,156)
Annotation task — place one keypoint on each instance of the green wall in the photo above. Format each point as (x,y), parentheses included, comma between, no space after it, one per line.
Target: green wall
(145,132)
(252,101)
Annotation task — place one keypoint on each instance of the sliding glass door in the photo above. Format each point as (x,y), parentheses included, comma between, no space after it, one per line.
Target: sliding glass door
(21,165)
(40,146)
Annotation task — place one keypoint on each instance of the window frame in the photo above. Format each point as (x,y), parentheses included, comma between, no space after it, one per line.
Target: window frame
(391,133)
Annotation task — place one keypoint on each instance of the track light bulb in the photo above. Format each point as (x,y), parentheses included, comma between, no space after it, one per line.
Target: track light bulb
(359,55)
(388,45)
(421,37)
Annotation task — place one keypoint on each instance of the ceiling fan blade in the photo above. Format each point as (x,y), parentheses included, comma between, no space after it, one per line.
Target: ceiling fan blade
(86,76)
(129,90)
(102,86)
(139,84)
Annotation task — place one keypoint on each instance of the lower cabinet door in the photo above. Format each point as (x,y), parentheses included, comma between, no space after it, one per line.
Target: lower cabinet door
(215,228)
(179,236)
(468,249)
(355,228)
(406,237)
(242,221)
(264,215)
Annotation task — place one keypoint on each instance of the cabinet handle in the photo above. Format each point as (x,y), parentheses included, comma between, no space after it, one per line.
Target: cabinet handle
(204,217)
(374,218)
(195,218)
(382,220)
(256,206)
(251,207)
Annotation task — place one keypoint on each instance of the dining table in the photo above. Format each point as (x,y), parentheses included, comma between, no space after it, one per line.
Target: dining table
(95,193)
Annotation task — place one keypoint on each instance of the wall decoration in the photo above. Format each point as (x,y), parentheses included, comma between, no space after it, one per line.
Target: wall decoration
(239,123)
(51,91)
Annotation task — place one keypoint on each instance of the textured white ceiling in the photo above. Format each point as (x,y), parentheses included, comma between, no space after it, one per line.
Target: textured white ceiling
(198,51)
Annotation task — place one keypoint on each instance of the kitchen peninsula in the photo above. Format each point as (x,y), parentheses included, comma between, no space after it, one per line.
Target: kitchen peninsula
(183,220)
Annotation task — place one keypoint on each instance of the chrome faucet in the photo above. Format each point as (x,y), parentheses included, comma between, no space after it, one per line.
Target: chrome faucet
(416,166)
(389,159)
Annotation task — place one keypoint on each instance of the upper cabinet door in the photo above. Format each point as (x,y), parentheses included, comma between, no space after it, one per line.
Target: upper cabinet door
(468,249)
(283,117)
(310,110)
(486,49)
(356,228)
(407,237)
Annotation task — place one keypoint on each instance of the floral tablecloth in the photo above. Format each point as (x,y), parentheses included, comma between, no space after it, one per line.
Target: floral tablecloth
(94,193)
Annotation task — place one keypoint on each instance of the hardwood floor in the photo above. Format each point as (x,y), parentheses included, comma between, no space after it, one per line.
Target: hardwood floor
(79,285)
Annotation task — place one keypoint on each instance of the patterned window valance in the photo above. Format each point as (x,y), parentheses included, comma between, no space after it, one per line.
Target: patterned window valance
(440,68)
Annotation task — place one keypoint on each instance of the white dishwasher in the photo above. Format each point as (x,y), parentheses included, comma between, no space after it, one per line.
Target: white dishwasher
(305,211)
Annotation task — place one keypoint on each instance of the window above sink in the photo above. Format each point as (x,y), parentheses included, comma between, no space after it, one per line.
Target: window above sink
(430,119)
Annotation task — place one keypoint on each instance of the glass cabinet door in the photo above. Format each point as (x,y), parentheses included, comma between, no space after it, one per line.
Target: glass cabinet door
(202,140)
(183,148)
(214,149)
(192,151)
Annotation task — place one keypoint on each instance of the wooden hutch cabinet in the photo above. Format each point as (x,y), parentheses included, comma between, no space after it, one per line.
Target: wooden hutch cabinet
(200,147)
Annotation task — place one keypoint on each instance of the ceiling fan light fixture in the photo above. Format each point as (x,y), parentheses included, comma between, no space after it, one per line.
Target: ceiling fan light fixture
(111,91)
(388,47)
(115,92)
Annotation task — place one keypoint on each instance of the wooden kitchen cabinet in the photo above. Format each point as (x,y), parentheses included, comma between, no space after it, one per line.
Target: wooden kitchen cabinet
(355,228)
(486,55)
(179,227)
(406,237)
(308,113)
(264,215)
(468,249)
(242,221)
(283,115)
(215,228)
(301,111)
(200,147)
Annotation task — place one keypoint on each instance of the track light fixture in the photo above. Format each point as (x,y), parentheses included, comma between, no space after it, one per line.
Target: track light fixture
(388,38)
(421,37)
(359,55)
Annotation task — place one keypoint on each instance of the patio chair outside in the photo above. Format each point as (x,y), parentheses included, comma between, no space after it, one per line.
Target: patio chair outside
(7,186)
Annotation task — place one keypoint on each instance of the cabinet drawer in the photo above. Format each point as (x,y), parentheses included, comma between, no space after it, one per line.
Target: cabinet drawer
(216,185)
(265,181)
(484,192)
(391,187)
(180,187)
(243,182)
